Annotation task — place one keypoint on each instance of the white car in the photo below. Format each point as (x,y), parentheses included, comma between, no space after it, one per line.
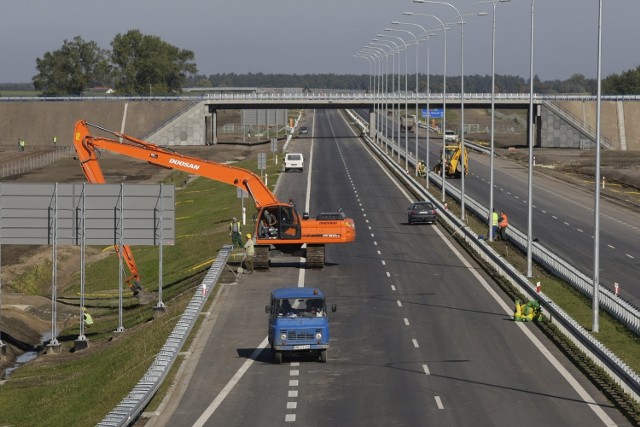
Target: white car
(293,161)
(450,136)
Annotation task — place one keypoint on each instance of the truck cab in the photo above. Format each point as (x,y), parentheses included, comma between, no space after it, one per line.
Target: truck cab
(298,322)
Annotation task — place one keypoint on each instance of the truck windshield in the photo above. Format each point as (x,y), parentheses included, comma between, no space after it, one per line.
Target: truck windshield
(301,307)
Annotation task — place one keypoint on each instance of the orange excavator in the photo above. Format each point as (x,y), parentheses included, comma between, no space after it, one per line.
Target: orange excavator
(278,227)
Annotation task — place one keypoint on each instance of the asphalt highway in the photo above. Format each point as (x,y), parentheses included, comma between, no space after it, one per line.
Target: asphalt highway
(563,215)
(421,335)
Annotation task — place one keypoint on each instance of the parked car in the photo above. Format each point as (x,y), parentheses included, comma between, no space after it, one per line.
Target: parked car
(304,130)
(421,211)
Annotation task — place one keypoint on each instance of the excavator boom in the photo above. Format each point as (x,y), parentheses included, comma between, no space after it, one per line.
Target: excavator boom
(278,225)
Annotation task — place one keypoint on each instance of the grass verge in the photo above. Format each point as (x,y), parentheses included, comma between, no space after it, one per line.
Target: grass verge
(79,388)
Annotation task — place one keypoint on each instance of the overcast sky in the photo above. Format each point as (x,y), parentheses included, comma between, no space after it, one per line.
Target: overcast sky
(321,36)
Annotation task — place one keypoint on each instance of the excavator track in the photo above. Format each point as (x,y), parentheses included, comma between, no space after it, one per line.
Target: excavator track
(315,256)
(261,260)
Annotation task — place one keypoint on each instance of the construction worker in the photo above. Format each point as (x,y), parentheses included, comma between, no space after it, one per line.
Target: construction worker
(88,320)
(503,224)
(494,224)
(250,254)
(21,144)
(422,169)
(234,230)
(55,141)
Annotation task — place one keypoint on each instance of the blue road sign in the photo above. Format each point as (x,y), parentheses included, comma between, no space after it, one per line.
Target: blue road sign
(434,113)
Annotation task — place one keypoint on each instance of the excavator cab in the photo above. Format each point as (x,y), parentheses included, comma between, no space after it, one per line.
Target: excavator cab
(279,222)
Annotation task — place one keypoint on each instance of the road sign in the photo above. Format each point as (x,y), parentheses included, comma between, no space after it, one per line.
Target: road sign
(434,113)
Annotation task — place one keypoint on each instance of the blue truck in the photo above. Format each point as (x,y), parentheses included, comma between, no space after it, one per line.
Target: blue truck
(298,322)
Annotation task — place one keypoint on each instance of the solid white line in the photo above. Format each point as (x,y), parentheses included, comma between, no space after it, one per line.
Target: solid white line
(439,402)
(229,386)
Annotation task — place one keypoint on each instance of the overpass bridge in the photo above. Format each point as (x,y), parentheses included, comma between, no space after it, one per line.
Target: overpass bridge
(554,126)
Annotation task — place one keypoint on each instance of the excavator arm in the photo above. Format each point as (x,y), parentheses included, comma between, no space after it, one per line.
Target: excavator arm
(86,146)
(290,231)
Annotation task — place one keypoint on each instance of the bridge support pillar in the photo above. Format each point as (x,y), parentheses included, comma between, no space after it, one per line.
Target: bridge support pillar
(211,126)
(372,123)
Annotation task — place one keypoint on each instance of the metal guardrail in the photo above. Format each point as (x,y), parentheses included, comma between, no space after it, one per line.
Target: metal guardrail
(35,161)
(621,373)
(128,410)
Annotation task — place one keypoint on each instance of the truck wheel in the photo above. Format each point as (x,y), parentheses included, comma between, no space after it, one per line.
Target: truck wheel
(277,357)
(323,356)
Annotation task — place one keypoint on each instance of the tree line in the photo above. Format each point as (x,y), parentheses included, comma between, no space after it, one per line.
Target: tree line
(140,64)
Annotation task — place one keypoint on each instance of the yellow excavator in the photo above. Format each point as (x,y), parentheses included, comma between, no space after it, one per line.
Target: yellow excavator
(453,166)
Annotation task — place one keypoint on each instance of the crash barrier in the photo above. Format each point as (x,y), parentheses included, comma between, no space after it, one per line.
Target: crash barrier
(615,305)
(129,409)
(36,161)
(619,371)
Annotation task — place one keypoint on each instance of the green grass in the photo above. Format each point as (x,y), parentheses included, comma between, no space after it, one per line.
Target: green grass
(78,389)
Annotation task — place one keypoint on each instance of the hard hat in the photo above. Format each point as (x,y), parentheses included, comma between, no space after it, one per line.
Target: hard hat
(235,219)
(248,235)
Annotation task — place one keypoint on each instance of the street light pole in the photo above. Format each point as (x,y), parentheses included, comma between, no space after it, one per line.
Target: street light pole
(394,50)
(596,243)
(531,143)
(463,155)
(404,44)
(444,100)
(406,104)
(493,109)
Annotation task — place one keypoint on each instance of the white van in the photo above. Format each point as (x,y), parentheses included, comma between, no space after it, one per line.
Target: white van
(293,161)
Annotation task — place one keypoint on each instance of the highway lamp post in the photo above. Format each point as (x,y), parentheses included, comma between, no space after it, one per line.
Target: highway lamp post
(407,107)
(463,156)
(375,44)
(377,57)
(397,49)
(383,52)
(596,243)
(404,44)
(428,35)
(531,143)
(371,87)
(379,54)
(493,109)
(444,101)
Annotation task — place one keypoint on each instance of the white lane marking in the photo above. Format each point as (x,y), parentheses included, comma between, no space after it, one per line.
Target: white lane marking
(399,303)
(566,223)
(611,246)
(568,377)
(580,230)
(379,252)
(383,262)
(290,418)
(294,373)
(630,256)
(393,288)
(292,393)
(426,370)
(373,235)
(439,402)
(230,385)
(406,321)
(295,363)
(554,217)
(369,227)
(292,405)
(534,340)
(415,343)
(293,383)
(388,274)
(375,243)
